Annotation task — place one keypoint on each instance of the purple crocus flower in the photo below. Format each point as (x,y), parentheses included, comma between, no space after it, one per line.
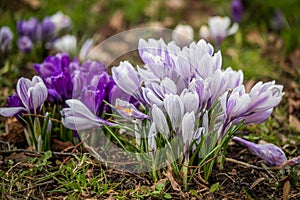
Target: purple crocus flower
(25,44)
(30,96)
(47,29)
(277,21)
(6,37)
(55,71)
(237,10)
(28,28)
(79,117)
(270,153)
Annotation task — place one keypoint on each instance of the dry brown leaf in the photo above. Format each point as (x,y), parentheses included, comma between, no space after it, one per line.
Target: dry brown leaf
(254,37)
(174,184)
(34,4)
(161,181)
(14,131)
(294,121)
(295,58)
(256,182)
(58,145)
(116,21)
(286,190)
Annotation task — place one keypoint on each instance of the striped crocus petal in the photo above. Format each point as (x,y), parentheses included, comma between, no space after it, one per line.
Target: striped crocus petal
(33,93)
(129,111)
(175,110)
(11,111)
(160,120)
(126,77)
(188,124)
(79,117)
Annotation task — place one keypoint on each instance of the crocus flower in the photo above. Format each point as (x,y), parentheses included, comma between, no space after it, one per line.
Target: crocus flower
(151,138)
(175,110)
(237,10)
(67,43)
(204,33)
(270,153)
(277,21)
(28,28)
(61,21)
(126,77)
(220,28)
(32,94)
(25,44)
(6,37)
(129,111)
(79,117)
(160,120)
(85,49)
(265,96)
(183,35)
(188,125)
(47,29)
(56,73)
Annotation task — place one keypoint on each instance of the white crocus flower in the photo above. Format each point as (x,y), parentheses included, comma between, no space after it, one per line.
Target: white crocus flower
(220,28)
(183,35)
(67,43)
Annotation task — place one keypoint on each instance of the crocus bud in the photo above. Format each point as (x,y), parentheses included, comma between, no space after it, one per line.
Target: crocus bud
(237,9)
(204,33)
(126,77)
(67,43)
(220,28)
(270,153)
(183,35)
(6,37)
(61,21)
(25,44)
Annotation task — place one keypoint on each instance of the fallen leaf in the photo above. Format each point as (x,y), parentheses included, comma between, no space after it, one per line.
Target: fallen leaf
(254,37)
(14,131)
(116,21)
(174,184)
(256,182)
(294,122)
(286,190)
(58,145)
(34,4)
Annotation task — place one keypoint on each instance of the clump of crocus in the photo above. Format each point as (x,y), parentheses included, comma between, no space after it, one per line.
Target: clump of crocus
(32,33)
(26,104)
(68,44)
(270,153)
(56,72)
(237,10)
(183,35)
(187,99)
(220,28)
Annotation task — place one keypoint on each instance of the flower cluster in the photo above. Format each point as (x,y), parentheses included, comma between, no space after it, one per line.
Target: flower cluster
(188,96)
(32,32)
(217,30)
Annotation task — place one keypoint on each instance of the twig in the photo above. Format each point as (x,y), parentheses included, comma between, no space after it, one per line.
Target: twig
(242,163)
(38,153)
(42,116)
